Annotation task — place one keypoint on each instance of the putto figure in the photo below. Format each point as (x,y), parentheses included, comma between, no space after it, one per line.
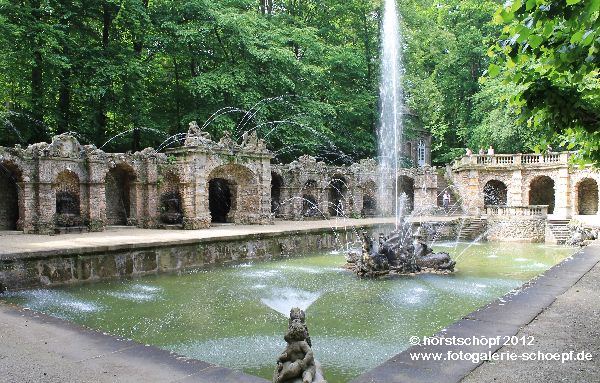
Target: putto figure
(297,363)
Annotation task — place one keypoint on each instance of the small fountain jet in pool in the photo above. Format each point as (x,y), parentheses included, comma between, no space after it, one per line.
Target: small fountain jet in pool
(394,255)
(297,363)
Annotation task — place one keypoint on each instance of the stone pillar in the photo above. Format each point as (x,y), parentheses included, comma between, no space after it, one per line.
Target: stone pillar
(323,201)
(46,208)
(516,189)
(27,205)
(46,198)
(135,197)
(264,186)
(188,205)
(475,200)
(562,194)
(96,198)
(151,211)
(202,204)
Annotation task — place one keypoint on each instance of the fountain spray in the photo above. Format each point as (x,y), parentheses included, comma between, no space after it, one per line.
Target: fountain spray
(390,104)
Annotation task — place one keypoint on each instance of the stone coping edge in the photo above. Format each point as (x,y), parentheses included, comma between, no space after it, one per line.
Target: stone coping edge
(94,249)
(504,317)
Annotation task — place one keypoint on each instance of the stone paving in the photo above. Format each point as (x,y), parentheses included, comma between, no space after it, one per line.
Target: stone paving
(37,348)
(571,323)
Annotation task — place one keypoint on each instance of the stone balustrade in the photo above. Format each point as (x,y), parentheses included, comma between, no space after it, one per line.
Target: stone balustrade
(549,159)
(538,211)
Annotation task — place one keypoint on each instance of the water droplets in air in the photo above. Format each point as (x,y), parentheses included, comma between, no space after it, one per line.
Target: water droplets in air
(390,103)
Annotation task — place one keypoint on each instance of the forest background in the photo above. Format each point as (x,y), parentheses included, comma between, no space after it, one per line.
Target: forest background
(308,70)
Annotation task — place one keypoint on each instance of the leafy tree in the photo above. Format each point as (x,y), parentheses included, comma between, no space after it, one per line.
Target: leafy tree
(550,50)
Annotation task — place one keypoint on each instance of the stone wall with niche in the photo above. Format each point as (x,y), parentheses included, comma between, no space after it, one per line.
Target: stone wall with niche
(311,189)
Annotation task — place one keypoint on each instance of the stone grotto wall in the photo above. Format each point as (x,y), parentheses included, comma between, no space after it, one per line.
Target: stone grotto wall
(516,228)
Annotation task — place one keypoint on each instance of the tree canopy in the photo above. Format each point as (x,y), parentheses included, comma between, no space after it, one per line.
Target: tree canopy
(549,52)
(125,74)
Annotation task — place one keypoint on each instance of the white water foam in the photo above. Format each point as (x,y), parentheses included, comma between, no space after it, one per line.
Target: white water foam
(283,300)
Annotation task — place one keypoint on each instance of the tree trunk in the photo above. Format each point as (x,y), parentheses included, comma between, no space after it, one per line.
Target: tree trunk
(37,70)
(367,42)
(64,101)
(37,86)
(101,117)
(177,96)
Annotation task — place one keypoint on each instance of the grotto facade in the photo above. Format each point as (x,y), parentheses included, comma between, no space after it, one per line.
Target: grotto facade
(64,186)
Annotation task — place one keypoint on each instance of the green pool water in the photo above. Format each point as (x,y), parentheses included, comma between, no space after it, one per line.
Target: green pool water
(233,315)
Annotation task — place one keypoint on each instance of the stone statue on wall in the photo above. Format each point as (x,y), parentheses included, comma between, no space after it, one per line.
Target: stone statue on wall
(251,142)
(226,141)
(297,363)
(196,136)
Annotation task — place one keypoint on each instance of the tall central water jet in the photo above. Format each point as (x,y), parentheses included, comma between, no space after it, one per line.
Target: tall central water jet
(390,104)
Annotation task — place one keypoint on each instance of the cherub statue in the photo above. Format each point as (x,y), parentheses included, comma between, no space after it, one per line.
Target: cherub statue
(297,360)
(195,135)
(297,314)
(226,141)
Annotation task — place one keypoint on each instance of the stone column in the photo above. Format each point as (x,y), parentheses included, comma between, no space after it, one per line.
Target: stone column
(96,198)
(135,196)
(187,189)
(516,189)
(562,194)
(323,201)
(475,198)
(264,186)
(151,211)
(46,197)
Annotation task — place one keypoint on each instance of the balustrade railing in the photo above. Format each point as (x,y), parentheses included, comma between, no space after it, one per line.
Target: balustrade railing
(514,159)
(530,211)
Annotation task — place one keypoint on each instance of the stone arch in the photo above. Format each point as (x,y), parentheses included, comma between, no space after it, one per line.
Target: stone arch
(170,204)
(542,192)
(495,193)
(276,185)
(240,199)
(310,184)
(119,189)
(68,199)
(11,205)
(338,190)
(587,196)
(310,206)
(369,200)
(404,192)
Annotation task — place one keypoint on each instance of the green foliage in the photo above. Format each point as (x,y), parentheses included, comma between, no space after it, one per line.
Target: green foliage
(499,124)
(446,55)
(142,70)
(550,50)
(307,70)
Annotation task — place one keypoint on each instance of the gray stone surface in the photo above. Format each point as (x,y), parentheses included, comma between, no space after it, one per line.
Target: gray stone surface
(24,245)
(571,323)
(38,348)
